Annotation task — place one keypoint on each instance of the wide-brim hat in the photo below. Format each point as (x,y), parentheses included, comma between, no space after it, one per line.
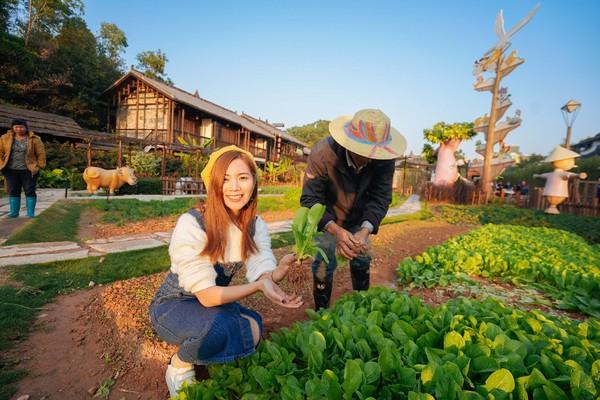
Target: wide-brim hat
(561,153)
(368,133)
(212,160)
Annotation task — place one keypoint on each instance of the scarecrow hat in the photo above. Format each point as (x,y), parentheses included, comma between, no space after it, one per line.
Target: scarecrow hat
(560,153)
(369,134)
(214,156)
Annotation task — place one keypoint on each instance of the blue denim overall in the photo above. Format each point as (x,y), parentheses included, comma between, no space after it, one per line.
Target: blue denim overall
(205,335)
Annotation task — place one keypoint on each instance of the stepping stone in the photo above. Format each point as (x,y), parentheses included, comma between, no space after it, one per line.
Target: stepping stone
(37,253)
(127,244)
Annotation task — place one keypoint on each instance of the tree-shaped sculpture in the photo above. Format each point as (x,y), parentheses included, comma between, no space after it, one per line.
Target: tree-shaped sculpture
(449,137)
(496,62)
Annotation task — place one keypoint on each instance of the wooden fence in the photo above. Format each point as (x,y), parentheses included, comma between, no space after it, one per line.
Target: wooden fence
(176,185)
(582,199)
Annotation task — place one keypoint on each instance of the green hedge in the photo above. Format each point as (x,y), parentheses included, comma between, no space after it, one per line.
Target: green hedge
(143,186)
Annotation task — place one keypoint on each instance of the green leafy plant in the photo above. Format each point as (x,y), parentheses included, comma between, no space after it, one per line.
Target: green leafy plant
(304,228)
(381,344)
(558,263)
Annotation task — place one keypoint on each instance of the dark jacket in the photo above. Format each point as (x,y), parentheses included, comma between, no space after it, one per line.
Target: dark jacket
(35,157)
(350,197)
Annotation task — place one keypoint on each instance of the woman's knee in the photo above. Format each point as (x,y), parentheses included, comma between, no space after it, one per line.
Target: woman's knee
(254,327)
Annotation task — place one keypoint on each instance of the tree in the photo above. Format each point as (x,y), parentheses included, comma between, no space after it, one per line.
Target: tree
(112,43)
(449,137)
(311,133)
(47,16)
(7,8)
(152,64)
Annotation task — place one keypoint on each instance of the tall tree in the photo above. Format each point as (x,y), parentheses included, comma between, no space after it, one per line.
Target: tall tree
(311,133)
(7,8)
(152,64)
(47,16)
(112,43)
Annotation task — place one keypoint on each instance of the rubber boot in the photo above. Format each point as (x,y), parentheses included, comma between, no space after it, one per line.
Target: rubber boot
(30,203)
(322,291)
(15,206)
(360,277)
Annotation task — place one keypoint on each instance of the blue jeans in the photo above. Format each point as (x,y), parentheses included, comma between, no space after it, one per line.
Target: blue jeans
(205,335)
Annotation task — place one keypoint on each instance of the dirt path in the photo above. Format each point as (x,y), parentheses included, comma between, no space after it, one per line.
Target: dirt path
(102,336)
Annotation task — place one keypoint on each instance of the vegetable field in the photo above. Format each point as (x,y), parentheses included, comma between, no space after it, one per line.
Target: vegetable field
(385,345)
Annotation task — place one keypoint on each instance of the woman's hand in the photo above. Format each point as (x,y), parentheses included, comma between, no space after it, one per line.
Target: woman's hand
(282,270)
(278,296)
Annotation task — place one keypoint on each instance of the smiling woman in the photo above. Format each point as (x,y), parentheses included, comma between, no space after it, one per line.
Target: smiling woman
(195,307)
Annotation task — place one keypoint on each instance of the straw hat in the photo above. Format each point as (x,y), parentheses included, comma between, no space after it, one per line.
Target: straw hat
(560,153)
(369,134)
(214,156)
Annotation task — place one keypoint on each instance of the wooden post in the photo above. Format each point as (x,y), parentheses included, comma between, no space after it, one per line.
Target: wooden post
(120,154)
(137,106)
(404,175)
(163,166)
(156,96)
(486,175)
(89,154)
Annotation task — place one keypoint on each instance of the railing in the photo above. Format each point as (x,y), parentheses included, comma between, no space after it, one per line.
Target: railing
(176,185)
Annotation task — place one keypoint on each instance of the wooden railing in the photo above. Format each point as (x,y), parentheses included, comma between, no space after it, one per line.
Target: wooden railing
(176,185)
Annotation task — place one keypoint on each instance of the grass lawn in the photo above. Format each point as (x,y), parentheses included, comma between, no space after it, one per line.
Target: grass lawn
(58,223)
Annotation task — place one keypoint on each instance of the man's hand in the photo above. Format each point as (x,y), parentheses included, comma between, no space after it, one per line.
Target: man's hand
(362,236)
(345,242)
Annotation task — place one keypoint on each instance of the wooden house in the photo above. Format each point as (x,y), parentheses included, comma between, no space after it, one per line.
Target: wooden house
(144,108)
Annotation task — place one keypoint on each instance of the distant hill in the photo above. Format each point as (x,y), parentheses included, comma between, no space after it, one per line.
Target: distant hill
(310,133)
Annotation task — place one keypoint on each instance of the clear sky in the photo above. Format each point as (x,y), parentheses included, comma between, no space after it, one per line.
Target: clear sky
(299,61)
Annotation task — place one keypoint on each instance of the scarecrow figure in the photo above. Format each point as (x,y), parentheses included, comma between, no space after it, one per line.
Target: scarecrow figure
(557,182)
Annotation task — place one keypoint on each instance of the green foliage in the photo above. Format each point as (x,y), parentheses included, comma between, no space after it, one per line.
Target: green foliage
(145,163)
(443,132)
(429,153)
(143,186)
(55,64)
(289,201)
(152,64)
(556,262)
(311,133)
(305,230)
(57,224)
(56,178)
(112,42)
(586,227)
(381,344)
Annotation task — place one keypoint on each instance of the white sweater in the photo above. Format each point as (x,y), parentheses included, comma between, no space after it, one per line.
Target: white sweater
(196,272)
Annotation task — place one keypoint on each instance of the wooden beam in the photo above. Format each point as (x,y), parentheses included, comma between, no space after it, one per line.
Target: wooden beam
(137,106)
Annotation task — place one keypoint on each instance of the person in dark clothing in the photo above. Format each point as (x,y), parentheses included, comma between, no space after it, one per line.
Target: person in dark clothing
(22,155)
(351,173)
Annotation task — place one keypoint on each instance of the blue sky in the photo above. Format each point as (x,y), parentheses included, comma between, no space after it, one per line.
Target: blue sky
(297,62)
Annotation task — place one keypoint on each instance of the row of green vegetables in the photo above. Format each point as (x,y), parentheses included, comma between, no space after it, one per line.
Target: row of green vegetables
(586,227)
(382,344)
(559,263)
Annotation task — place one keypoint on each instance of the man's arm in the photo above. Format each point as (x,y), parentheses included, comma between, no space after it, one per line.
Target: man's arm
(380,195)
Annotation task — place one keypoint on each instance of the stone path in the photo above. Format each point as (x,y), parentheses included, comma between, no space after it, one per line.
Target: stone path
(36,253)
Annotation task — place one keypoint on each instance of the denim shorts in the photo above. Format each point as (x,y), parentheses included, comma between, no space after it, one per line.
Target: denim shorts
(205,335)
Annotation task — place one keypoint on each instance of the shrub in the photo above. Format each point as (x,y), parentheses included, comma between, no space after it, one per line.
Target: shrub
(145,163)
(143,186)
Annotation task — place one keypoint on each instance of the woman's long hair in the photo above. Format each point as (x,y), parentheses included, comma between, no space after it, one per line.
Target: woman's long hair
(217,216)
